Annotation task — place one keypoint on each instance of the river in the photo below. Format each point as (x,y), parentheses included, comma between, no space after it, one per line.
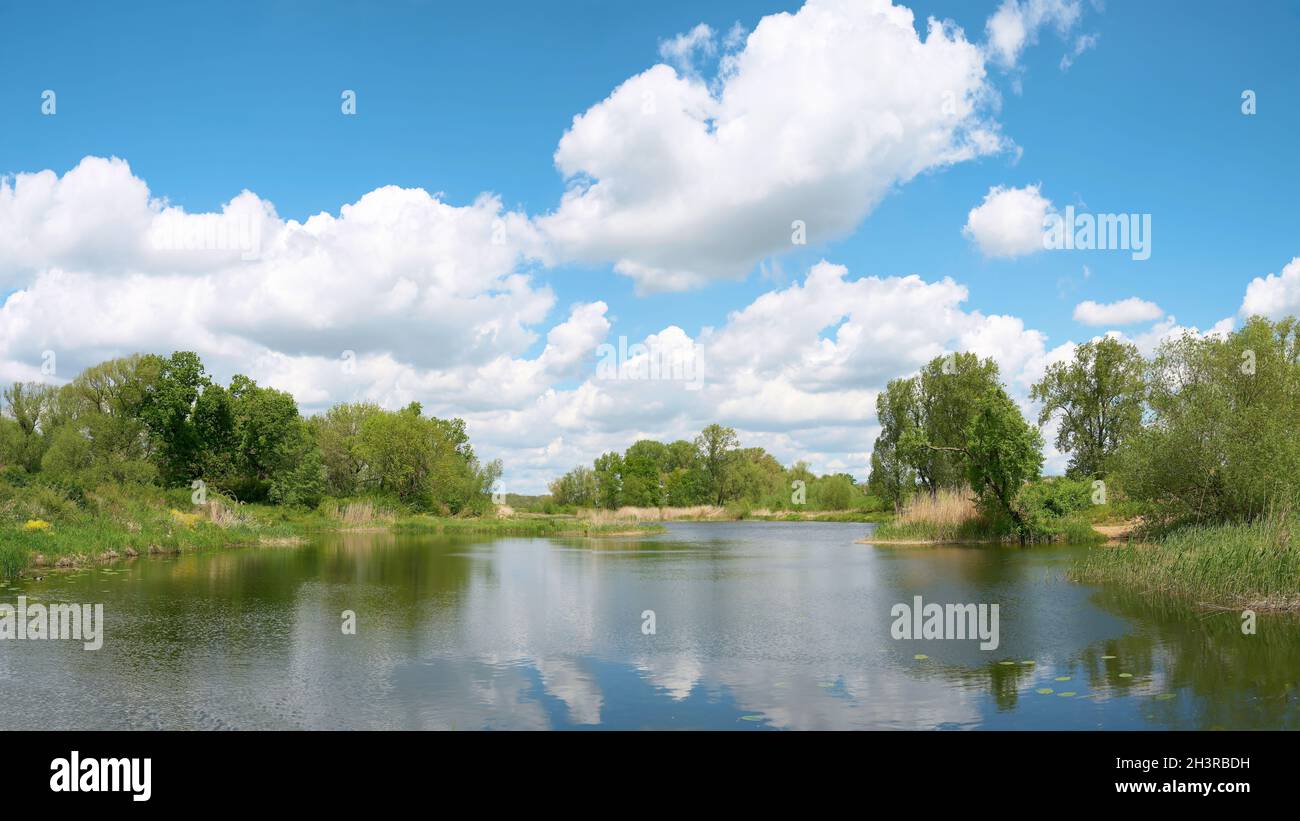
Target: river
(756,626)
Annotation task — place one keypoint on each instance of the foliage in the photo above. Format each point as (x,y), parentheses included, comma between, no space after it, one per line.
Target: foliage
(1003,453)
(924,423)
(576,488)
(1097,398)
(1220,443)
(148,419)
(950,426)
(1049,506)
(712,470)
(944,399)
(1238,565)
(715,448)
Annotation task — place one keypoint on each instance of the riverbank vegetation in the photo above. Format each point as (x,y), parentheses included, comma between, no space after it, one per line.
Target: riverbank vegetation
(1196,446)
(43,525)
(712,471)
(1051,509)
(150,454)
(1248,564)
(1214,471)
(729,513)
(959,462)
(1196,450)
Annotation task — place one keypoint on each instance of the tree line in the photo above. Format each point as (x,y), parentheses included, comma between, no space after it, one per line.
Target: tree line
(712,469)
(148,419)
(1204,431)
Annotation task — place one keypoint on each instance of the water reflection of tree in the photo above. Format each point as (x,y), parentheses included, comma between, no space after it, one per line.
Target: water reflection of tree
(1221,677)
(1192,669)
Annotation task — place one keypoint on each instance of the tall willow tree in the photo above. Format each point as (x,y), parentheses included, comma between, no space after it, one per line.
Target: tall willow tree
(924,422)
(1098,399)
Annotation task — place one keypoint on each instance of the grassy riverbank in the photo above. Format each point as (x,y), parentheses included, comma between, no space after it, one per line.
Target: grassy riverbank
(41,526)
(1252,565)
(951,516)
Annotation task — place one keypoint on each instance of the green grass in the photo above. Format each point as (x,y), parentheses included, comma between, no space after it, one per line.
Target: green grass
(1069,530)
(970,530)
(1112,512)
(1252,565)
(79,527)
(1078,530)
(115,521)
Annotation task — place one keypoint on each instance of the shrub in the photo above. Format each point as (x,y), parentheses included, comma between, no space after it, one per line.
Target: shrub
(1045,506)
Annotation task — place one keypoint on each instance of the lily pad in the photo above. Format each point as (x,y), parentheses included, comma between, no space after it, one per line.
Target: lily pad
(1108,658)
(1028,663)
(1126,675)
(1067,694)
(751,718)
(920,657)
(1166,696)
(1063,678)
(1044,691)
(1007,663)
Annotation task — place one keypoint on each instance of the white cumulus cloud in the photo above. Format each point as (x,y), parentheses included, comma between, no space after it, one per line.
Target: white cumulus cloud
(1122,312)
(1274,295)
(1016,24)
(817,117)
(1009,223)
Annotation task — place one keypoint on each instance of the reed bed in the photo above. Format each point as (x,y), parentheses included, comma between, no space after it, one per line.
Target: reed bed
(950,515)
(1253,565)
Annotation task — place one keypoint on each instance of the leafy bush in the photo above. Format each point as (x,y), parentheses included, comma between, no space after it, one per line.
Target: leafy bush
(1221,444)
(1046,505)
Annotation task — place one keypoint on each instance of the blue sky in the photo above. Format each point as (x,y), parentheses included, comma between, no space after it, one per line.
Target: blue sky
(467,98)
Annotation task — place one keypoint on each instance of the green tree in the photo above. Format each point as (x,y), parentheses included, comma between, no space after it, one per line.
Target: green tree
(643,468)
(757,477)
(609,480)
(337,433)
(29,406)
(397,448)
(1220,443)
(267,432)
(300,477)
(425,462)
(715,447)
(213,421)
(166,410)
(577,488)
(924,421)
(835,492)
(1003,452)
(1098,399)
(892,480)
(950,390)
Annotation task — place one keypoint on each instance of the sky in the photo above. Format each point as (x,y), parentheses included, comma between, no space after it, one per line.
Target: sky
(460,204)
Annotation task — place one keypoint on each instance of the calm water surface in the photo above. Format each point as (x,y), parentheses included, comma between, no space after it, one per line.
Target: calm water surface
(758,626)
